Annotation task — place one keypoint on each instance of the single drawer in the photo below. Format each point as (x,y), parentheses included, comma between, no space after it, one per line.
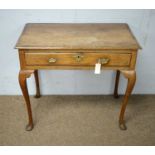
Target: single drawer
(77,59)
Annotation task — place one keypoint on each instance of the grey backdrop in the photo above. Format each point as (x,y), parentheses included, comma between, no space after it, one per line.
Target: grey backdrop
(142,23)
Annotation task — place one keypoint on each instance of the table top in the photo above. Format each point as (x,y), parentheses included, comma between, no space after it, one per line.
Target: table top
(77,36)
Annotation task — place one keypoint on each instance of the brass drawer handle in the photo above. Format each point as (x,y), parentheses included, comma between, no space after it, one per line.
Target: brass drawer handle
(52,60)
(78,57)
(103,61)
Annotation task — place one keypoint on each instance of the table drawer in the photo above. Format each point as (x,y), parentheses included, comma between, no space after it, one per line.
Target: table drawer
(77,59)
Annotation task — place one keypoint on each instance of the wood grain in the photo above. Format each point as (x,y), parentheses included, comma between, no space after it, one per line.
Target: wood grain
(77,36)
(66,59)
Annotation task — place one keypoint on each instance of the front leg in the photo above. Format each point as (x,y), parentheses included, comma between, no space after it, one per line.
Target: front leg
(131,76)
(23,75)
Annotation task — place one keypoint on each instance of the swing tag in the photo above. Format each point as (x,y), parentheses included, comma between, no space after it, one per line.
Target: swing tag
(97,68)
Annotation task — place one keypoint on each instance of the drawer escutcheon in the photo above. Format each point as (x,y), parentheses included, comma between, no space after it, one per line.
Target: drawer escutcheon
(78,57)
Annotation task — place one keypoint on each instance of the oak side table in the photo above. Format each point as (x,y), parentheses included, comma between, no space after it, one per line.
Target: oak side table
(77,46)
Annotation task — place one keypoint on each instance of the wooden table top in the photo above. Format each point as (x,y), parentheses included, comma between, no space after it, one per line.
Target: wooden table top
(77,36)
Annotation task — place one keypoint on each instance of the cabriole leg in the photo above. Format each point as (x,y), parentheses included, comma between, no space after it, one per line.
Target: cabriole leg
(23,75)
(131,76)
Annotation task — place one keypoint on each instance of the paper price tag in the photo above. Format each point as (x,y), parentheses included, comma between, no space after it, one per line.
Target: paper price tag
(97,68)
